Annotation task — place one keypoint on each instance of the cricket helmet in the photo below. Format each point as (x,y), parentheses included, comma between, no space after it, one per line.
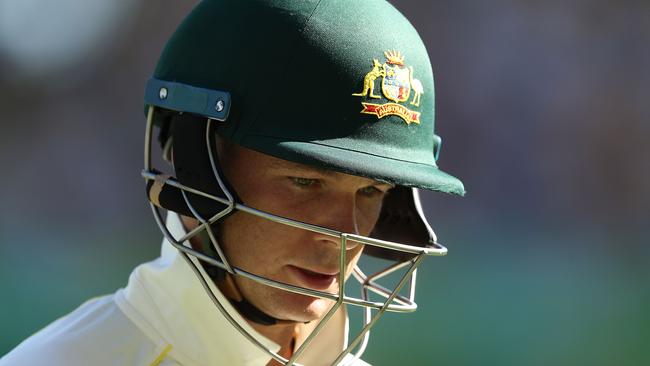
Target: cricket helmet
(338,84)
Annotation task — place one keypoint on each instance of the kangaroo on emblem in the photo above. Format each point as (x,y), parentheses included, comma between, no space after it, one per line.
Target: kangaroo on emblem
(369,80)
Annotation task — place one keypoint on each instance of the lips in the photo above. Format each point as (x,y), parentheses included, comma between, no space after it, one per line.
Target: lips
(313,280)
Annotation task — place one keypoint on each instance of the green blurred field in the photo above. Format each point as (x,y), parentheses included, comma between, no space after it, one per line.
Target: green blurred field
(506,301)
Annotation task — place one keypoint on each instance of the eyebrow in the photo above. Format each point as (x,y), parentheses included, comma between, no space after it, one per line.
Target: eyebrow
(290,165)
(315,169)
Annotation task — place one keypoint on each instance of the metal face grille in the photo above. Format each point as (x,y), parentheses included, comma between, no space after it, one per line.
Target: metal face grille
(393,301)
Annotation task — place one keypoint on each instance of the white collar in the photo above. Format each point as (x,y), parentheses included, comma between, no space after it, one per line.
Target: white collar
(167,301)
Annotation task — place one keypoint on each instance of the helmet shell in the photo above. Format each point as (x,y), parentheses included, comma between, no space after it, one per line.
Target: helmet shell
(345,85)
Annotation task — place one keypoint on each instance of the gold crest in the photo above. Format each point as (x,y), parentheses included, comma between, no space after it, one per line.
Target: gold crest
(397,85)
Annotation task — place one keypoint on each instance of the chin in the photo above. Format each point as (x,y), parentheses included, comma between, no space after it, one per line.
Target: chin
(301,308)
(318,308)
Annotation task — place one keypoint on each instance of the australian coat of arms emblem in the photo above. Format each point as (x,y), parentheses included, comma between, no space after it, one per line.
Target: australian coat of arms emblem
(397,85)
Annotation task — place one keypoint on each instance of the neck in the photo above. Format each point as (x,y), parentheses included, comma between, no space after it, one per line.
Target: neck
(288,335)
(282,334)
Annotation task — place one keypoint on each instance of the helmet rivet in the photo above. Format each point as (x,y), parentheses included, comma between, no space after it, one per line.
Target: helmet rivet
(162,94)
(219,106)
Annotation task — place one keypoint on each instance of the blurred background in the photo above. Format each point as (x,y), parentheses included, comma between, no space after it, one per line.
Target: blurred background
(544,111)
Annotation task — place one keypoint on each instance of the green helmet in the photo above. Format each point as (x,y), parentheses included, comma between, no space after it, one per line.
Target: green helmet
(346,85)
(338,84)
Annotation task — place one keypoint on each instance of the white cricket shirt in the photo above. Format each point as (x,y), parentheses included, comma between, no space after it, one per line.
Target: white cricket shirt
(163,317)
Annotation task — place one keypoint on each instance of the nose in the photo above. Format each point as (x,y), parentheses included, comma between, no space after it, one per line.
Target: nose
(340,214)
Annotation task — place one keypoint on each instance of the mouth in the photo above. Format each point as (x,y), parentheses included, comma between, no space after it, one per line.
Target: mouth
(313,280)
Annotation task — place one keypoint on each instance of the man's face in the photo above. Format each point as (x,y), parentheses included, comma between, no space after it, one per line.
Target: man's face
(299,257)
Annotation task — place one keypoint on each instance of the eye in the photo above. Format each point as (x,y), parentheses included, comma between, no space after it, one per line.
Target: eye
(371,191)
(303,182)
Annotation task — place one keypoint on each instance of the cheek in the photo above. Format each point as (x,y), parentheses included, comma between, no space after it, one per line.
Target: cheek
(367,215)
(240,236)
(255,244)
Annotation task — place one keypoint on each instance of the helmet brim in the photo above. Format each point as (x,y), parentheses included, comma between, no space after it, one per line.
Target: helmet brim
(394,171)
